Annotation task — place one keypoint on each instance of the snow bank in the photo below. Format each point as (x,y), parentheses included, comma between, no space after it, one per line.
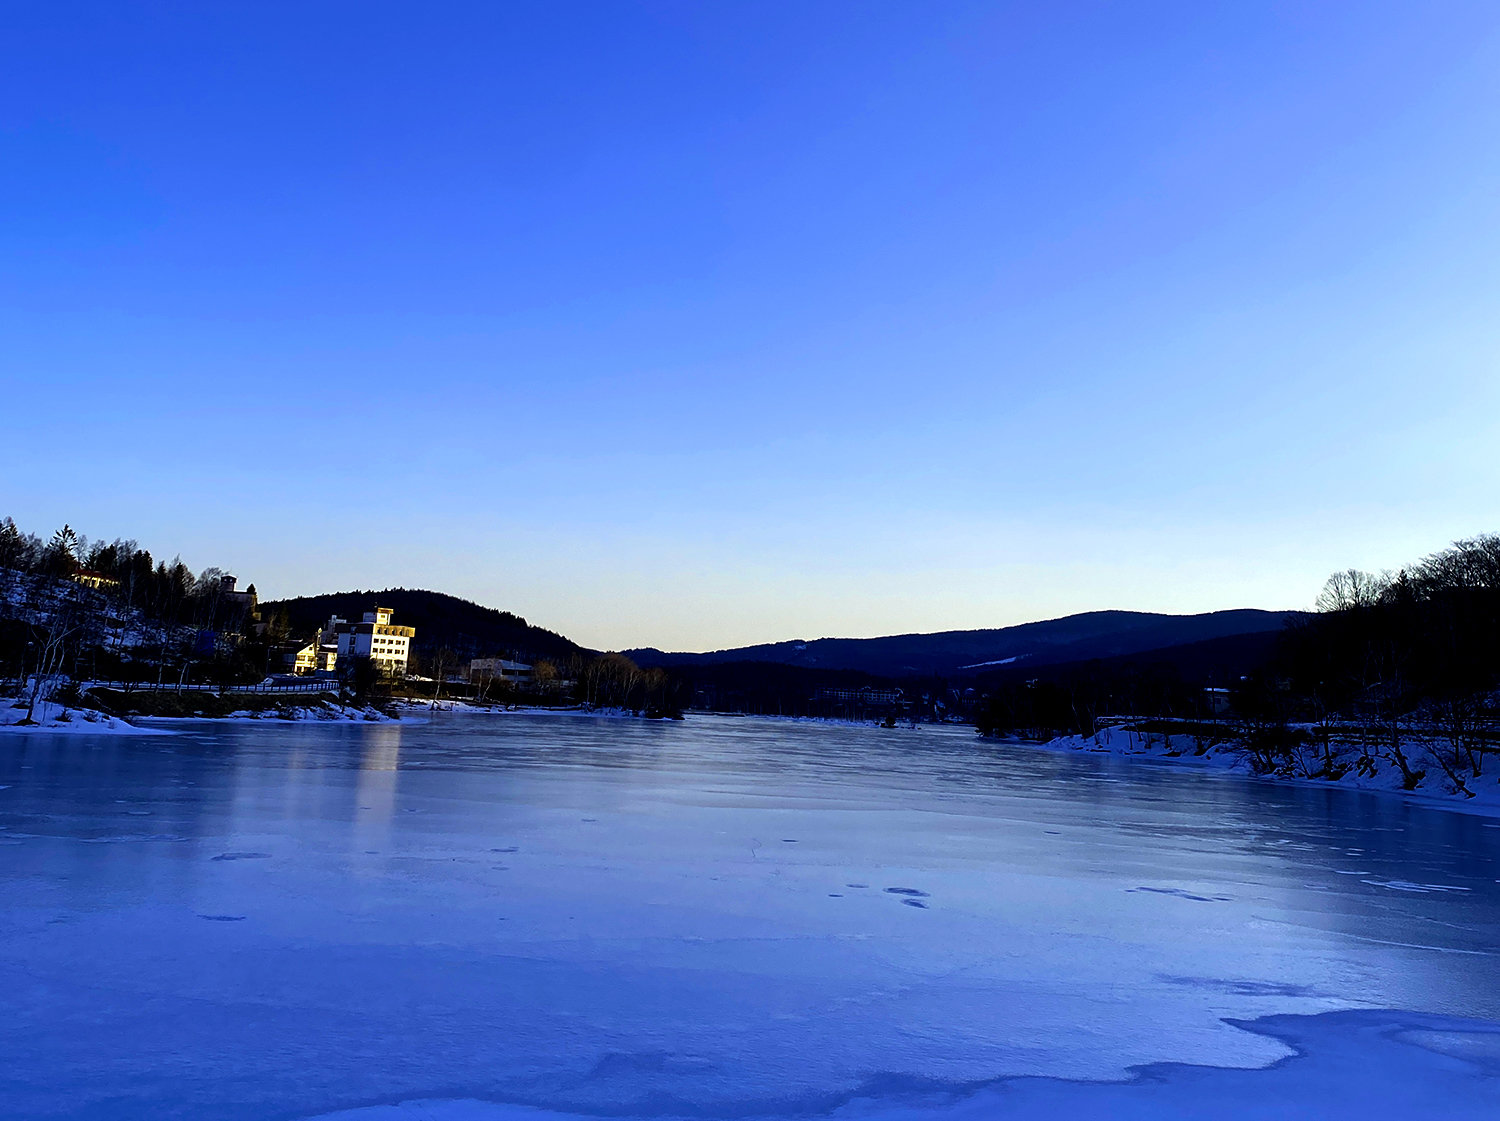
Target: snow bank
(53,719)
(1344,1066)
(282,714)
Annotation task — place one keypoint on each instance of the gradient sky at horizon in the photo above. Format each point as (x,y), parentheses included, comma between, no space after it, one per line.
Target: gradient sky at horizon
(695,325)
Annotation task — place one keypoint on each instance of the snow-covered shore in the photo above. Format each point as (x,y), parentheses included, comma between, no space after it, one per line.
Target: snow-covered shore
(1380,776)
(52,718)
(325,712)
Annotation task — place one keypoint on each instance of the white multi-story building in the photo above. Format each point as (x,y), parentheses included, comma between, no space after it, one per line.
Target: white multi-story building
(376,638)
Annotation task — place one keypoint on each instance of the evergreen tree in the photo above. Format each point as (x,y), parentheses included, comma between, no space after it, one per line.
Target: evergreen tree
(12,545)
(62,552)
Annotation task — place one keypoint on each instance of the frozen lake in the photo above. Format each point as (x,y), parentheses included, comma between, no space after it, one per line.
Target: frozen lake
(720,918)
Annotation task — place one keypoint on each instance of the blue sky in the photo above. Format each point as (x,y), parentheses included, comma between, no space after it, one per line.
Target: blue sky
(699,324)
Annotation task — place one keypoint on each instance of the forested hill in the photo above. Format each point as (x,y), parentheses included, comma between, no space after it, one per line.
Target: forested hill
(469,629)
(1075,638)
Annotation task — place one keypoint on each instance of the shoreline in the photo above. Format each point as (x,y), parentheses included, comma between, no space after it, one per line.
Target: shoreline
(469,708)
(1227,759)
(55,719)
(76,720)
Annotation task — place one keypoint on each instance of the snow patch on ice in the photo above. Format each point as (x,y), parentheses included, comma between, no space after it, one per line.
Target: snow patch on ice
(1342,1066)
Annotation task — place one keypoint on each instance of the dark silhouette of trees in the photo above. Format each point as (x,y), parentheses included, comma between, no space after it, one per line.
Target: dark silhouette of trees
(614,681)
(69,605)
(1413,657)
(1401,669)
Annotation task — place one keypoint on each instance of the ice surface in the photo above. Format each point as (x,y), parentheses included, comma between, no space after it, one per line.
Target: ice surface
(712,919)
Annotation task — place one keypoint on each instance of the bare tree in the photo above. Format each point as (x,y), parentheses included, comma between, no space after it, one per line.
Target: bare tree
(58,616)
(543,676)
(482,680)
(442,664)
(1350,589)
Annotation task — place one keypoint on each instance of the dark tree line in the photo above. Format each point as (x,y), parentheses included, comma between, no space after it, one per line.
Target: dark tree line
(108,609)
(1401,667)
(614,681)
(594,680)
(1429,633)
(1413,657)
(1072,700)
(127,574)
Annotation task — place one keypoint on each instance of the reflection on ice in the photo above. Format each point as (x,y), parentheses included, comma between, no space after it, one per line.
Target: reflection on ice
(375,792)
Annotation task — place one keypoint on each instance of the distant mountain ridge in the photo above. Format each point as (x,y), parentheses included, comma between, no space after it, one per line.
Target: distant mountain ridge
(470,629)
(473,630)
(1073,638)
